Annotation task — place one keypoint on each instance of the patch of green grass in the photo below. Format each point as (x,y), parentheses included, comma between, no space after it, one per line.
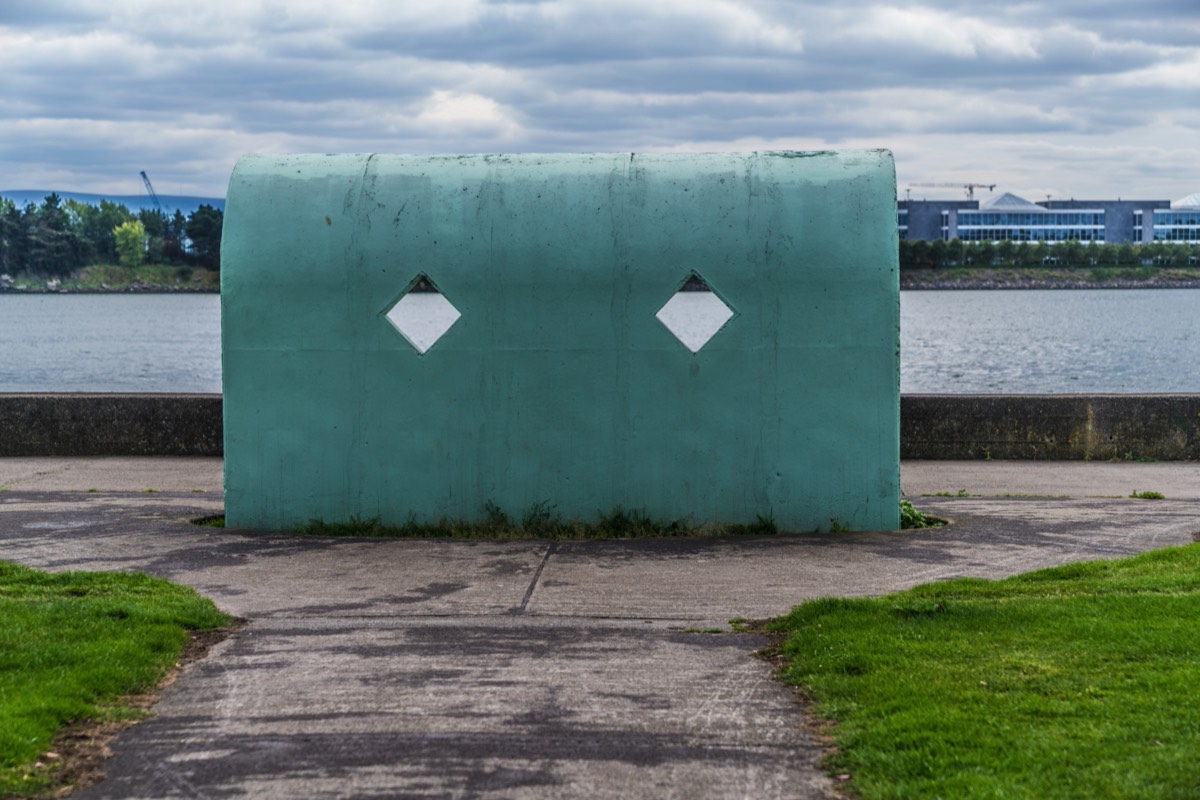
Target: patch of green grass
(1147,495)
(541,521)
(71,646)
(1078,681)
(959,493)
(113,277)
(214,521)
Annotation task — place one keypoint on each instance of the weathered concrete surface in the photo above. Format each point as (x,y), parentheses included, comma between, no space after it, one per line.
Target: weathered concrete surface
(385,668)
(110,425)
(1050,427)
(466,708)
(559,265)
(198,474)
(1094,480)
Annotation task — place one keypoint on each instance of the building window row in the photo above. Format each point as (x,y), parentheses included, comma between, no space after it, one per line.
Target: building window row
(1177,234)
(1031,234)
(1171,218)
(1048,218)
(1011,219)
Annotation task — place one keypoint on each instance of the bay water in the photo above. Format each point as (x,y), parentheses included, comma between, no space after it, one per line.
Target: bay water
(1053,341)
(110,343)
(990,342)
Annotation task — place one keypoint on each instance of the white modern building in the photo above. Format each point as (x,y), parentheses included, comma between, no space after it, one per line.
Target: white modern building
(1008,218)
(1179,223)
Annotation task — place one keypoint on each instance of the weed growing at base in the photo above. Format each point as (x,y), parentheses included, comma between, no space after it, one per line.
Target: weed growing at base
(71,646)
(911,518)
(1071,682)
(541,521)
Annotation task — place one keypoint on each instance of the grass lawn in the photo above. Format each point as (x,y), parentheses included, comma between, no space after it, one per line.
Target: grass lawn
(117,278)
(72,645)
(1076,682)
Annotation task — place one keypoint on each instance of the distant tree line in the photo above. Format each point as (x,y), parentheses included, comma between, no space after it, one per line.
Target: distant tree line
(58,237)
(938,254)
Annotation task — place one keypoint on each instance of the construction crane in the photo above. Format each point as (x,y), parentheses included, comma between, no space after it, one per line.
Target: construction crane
(969,187)
(153,195)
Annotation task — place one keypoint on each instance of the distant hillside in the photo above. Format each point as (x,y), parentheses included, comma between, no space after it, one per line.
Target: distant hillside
(134,202)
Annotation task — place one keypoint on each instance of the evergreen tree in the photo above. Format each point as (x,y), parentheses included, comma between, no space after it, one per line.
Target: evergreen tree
(204,230)
(55,247)
(155,223)
(12,238)
(982,254)
(95,225)
(176,233)
(955,252)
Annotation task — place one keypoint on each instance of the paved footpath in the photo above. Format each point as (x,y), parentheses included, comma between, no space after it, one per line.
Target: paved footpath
(395,668)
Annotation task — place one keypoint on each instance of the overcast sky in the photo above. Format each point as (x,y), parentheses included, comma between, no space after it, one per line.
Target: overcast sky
(1071,98)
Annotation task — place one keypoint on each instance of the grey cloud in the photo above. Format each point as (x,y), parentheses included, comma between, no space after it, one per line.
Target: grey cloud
(582,77)
(59,14)
(519,45)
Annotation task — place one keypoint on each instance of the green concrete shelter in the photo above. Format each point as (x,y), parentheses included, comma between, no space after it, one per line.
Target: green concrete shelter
(711,337)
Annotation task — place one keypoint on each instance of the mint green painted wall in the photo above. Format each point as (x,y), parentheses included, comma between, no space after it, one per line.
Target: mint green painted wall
(558,384)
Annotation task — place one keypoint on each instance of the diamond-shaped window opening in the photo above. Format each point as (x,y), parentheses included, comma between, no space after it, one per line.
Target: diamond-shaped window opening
(694,314)
(422,315)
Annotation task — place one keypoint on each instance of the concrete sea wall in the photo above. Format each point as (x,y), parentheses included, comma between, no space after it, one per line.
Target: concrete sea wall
(110,425)
(1051,427)
(1045,427)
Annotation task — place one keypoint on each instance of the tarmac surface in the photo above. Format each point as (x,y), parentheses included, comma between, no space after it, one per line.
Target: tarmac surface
(402,668)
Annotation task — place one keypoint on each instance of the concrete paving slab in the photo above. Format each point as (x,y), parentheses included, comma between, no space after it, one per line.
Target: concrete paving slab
(1079,479)
(113,474)
(706,581)
(1178,480)
(258,574)
(384,668)
(469,708)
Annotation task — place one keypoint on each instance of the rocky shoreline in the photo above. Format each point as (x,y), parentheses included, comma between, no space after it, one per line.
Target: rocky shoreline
(908,282)
(144,289)
(917,285)
(115,279)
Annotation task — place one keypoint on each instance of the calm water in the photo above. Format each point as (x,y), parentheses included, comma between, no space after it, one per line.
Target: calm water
(1050,342)
(1042,342)
(110,343)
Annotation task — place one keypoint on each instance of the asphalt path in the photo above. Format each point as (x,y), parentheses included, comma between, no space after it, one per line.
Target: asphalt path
(427,668)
